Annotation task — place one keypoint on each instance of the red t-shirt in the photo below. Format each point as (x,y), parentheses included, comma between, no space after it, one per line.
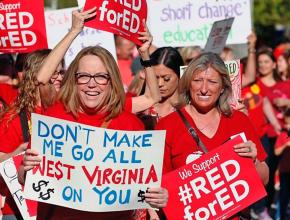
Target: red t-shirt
(125,71)
(11,137)
(279,90)
(128,101)
(180,144)
(8,93)
(124,121)
(282,139)
(253,100)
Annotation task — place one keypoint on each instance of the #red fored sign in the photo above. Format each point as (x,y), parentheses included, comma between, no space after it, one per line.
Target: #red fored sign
(215,186)
(22,26)
(121,17)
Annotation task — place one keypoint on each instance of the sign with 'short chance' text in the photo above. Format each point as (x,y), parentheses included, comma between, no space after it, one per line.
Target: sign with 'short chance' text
(123,18)
(22,26)
(58,23)
(93,169)
(181,23)
(215,186)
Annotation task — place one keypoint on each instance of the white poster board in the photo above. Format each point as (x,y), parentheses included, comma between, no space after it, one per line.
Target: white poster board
(115,167)
(58,23)
(180,23)
(9,173)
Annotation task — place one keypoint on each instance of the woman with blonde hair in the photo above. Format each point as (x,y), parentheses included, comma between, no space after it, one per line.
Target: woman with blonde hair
(189,53)
(92,93)
(205,88)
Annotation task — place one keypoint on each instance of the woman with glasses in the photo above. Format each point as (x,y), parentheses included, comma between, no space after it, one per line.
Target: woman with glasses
(133,104)
(92,93)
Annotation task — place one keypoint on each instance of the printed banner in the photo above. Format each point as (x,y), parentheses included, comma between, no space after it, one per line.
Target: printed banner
(22,26)
(218,35)
(215,186)
(8,171)
(180,23)
(58,23)
(115,167)
(233,67)
(123,18)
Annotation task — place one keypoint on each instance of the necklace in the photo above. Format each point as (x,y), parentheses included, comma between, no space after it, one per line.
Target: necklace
(215,118)
(202,128)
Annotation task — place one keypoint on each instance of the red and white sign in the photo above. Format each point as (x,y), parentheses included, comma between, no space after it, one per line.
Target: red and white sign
(123,18)
(22,26)
(215,186)
(233,67)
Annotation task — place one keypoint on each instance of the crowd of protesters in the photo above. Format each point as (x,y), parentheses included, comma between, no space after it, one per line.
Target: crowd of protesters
(146,87)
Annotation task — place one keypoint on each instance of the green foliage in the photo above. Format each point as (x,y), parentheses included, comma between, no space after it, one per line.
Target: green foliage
(271,12)
(62,3)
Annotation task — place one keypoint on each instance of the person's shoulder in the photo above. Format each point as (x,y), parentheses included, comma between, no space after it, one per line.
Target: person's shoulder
(168,121)
(55,110)
(237,115)
(6,118)
(127,121)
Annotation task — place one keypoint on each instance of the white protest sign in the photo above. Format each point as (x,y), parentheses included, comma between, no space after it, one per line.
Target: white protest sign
(81,3)
(115,167)
(9,173)
(182,70)
(180,23)
(58,23)
(216,40)
(234,71)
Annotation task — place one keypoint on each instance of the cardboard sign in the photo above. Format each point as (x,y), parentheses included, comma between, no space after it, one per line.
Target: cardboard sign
(114,167)
(58,23)
(180,23)
(215,186)
(182,70)
(234,72)
(217,38)
(123,18)
(22,26)
(8,170)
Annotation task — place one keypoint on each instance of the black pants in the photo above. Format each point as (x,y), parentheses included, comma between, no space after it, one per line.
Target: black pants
(272,162)
(284,194)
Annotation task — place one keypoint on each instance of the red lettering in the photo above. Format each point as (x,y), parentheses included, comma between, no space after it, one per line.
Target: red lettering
(69,168)
(152,175)
(90,177)
(106,174)
(116,178)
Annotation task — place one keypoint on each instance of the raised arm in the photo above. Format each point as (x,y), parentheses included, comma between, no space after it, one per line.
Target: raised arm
(250,72)
(152,93)
(56,55)
(270,115)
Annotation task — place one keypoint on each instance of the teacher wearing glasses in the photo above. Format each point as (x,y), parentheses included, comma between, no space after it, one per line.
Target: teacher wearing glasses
(92,93)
